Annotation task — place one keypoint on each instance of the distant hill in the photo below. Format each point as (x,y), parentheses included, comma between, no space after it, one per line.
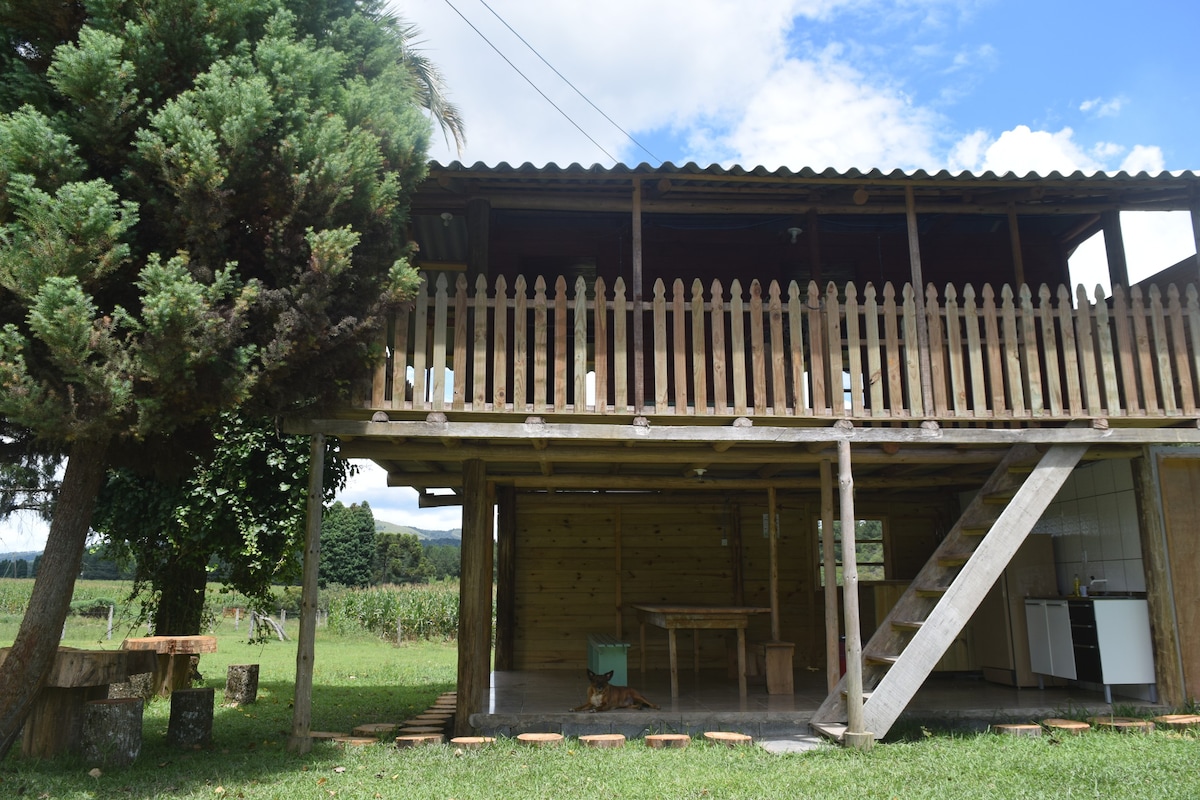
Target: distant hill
(24,555)
(455,534)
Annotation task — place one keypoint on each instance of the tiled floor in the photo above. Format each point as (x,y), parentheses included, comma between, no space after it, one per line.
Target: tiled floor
(540,701)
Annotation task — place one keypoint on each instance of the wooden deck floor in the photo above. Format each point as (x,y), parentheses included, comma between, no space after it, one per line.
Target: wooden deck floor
(539,701)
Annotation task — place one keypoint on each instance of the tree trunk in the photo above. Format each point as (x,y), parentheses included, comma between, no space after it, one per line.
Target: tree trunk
(181,600)
(33,651)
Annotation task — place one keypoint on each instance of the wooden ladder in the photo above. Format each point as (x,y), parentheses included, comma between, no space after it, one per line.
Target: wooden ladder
(940,601)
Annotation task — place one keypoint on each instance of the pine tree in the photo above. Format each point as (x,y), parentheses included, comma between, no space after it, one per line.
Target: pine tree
(347,545)
(202,208)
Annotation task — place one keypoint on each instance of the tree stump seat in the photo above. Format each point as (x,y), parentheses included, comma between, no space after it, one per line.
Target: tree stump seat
(191,722)
(112,731)
(241,684)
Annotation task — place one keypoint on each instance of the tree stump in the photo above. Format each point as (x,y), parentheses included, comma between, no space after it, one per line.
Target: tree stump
(191,720)
(660,741)
(1019,729)
(140,685)
(539,739)
(112,731)
(241,684)
(604,741)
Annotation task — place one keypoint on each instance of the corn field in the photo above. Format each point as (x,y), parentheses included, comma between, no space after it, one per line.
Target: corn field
(411,611)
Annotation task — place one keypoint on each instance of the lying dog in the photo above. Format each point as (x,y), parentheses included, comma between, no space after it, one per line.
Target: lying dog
(603,696)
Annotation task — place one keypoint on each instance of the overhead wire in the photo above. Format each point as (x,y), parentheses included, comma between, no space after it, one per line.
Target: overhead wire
(535,87)
(586,99)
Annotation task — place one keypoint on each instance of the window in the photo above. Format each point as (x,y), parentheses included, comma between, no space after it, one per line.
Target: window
(869,550)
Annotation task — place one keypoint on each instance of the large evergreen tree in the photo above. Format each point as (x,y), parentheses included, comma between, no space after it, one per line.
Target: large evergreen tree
(347,545)
(201,208)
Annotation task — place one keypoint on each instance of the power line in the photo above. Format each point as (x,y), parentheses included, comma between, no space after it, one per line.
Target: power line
(565,115)
(533,50)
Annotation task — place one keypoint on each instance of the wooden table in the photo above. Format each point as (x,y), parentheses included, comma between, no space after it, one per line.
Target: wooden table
(694,617)
(55,722)
(173,670)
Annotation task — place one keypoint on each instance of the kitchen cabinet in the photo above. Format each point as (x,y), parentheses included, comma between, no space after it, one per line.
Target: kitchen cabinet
(1097,640)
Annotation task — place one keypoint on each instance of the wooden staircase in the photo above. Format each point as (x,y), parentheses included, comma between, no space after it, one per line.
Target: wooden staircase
(942,598)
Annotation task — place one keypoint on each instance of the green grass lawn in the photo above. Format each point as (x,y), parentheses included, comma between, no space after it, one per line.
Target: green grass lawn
(365,680)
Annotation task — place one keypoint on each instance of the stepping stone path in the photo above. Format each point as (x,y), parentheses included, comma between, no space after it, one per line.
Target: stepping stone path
(540,739)
(1057,725)
(1178,722)
(355,741)
(660,741)
(417,739)
(603,740)
(1123,724)
(728,738)
(472,742)
(1019,729)
(376,729)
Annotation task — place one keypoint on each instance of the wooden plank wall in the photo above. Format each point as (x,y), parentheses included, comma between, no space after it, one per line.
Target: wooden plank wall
(1179,484)
(580,557)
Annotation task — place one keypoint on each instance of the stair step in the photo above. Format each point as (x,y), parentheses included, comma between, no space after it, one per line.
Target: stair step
(830,730)
(974,530)
(866,695)
(883,661)
(908,624)
(929,591)
(999,498)
(953,560)
(1021,469)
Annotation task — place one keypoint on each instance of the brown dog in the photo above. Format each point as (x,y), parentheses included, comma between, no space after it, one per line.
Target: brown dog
(603,696)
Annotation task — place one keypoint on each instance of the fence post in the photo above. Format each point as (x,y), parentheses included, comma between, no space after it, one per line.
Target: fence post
(110,622)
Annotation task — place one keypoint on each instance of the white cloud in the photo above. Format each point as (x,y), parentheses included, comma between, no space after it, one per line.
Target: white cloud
(822,113)
(1143,158)
(398,505)
(1100,107)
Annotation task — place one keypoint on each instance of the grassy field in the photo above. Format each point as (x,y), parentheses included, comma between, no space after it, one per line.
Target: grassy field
(364,679)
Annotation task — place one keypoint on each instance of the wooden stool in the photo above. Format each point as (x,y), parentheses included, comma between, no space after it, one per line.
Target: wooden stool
(540,739)
(417,739)
(1019,729)
(660,741)
(728,738)
(1066,725)
(603,740)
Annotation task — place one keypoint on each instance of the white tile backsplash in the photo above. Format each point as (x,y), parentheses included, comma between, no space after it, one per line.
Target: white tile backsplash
(1094,524)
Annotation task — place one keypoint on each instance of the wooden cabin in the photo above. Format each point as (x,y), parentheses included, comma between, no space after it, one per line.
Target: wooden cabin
(670,385)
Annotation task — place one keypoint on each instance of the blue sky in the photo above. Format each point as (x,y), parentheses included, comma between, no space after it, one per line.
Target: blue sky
(1002,85)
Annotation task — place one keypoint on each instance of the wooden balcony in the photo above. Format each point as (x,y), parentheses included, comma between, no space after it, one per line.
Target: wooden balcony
(794,354)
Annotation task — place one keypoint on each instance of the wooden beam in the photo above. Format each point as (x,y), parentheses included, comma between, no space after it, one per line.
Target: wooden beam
(474,598)
(1169,671)
(479,215)
(1114,247)
(1183,432)
(300,741)
(1195,213)
(833,672)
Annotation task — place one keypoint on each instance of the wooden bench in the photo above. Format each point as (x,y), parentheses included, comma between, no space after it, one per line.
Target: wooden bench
(606,653)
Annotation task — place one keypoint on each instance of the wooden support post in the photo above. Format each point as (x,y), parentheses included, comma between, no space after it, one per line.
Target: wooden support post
(1155,513)
(833,671)
(812,222)
(854,684)
(299,740)
(506,576)
(617,567)
(635,280)
(474,597)
(479,214)
(1014,237)
(773,560)
(1196,232)
(1114,247)
(918,281)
